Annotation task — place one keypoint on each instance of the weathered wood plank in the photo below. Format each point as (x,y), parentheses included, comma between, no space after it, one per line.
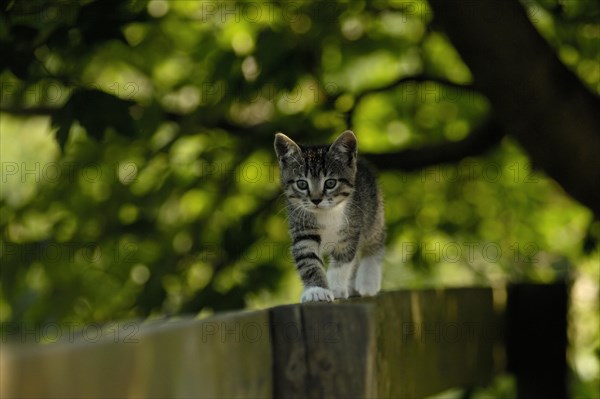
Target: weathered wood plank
(340,342)
(227,356)
(403,344)
(290,371)
(324,350)
(432,340)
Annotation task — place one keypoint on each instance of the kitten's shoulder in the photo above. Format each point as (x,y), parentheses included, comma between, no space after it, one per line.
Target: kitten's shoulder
(365,168)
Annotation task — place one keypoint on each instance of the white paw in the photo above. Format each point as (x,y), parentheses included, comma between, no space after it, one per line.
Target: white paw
(338,277)
(340,292)
(368,280)
(316,294)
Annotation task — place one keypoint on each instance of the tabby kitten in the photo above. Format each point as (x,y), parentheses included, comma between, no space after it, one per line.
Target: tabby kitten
(336,209)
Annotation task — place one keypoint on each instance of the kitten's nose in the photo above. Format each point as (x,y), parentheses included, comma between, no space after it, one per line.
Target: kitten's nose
(316,201)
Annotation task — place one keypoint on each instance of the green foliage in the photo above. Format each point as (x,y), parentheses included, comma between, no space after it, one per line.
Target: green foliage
(138,177)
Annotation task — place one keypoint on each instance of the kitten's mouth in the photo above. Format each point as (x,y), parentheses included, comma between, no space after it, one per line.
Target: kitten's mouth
(319,207)
(323,206)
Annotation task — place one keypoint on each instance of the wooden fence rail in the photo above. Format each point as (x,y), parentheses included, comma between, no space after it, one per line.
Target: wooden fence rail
(402,344)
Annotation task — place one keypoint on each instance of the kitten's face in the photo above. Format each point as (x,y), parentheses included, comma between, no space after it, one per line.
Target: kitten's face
(317,177)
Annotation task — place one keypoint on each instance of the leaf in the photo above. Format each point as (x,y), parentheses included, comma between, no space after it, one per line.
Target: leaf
(95,111)
(100,21)
(592,237)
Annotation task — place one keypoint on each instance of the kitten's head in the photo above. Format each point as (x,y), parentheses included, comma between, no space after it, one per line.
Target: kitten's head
(317,177)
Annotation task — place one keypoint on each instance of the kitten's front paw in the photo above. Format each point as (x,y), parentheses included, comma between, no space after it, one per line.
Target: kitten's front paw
(368,285)
(316,294)
(340,293)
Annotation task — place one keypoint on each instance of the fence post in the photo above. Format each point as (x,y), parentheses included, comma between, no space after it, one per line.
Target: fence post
(323,351)
(536,339)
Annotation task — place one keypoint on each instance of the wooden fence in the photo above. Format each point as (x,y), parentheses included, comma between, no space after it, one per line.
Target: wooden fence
(402,344)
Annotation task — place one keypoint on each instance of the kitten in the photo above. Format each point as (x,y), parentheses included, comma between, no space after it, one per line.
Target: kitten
(336,209)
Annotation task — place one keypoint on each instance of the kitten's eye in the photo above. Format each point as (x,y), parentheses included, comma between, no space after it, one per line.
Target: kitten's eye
(302,184)
(330,183)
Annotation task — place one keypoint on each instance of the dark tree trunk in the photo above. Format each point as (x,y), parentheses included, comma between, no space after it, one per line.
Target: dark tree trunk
(538,100)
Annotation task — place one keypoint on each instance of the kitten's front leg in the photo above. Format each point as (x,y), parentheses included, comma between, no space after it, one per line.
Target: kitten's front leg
(311,269)
(368,276)
(338,276)
(342,266)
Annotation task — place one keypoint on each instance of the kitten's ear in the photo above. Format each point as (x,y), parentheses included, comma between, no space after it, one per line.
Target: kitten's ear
(285,146)
(345,147)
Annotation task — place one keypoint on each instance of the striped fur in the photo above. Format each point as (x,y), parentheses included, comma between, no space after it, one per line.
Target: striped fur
(335,209)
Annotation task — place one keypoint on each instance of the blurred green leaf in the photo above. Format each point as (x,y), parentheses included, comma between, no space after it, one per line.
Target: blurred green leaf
(95,111)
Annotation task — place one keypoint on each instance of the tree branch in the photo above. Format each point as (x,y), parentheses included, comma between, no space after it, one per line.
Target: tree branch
(414,79)
(481,140)
(395,84)
(31,111)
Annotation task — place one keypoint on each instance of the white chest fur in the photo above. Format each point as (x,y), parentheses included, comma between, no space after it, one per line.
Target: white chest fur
(331,222)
